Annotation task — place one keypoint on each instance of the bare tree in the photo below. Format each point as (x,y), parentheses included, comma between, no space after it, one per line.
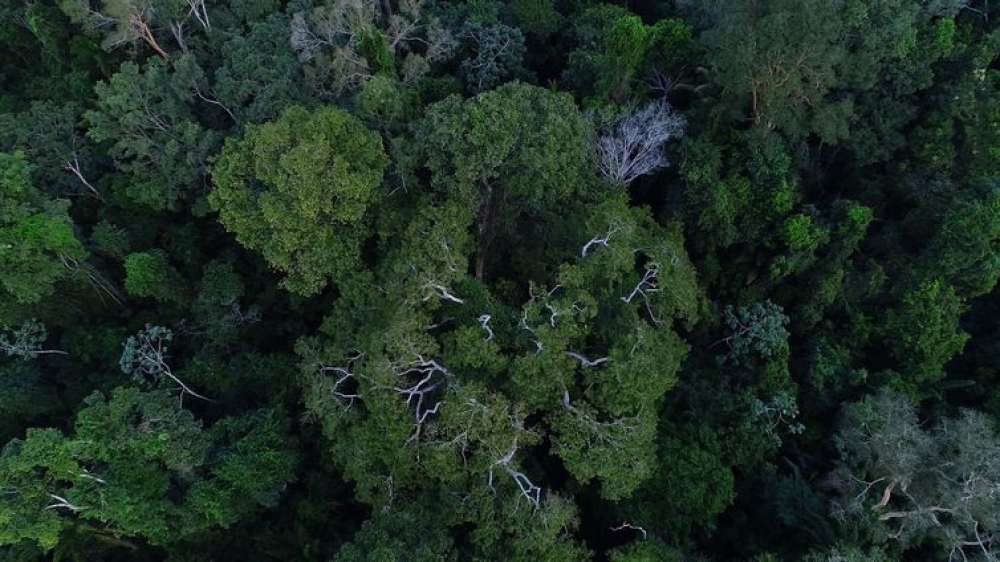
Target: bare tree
(635,144)
(345,375)
(200,12)
(60,502)
(418,380)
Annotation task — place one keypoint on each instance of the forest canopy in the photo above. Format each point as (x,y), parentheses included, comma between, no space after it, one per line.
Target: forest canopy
(500,280)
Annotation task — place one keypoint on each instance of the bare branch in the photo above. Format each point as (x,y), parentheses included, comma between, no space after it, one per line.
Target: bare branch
(599,241)
(588,363)
(635,145)
(484,323)
(627,525)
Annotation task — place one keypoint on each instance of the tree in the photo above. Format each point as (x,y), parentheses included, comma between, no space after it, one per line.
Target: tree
(692,484)
(344,44)
(936,484)
(778,59)
(615,48)
(37,237)
(48,134)
(496,53)
(510,152)
(634,146)
(125,453)
(145,115)
(923,334)
(757,330)
(260,75)
(129,22)
(26,341)
(144,357)
(300,190)
(149,274)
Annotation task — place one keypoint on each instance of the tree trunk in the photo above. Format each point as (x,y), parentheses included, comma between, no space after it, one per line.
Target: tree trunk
(487,229)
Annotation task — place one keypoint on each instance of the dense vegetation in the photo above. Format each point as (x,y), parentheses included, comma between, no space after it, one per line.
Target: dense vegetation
(512,280)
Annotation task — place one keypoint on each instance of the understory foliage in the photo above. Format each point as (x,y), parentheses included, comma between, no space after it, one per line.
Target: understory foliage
(512,280)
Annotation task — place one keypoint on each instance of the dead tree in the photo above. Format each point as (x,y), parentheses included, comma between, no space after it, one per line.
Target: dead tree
(634,146)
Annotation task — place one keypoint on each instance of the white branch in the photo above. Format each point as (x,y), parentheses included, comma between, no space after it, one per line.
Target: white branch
(627,525)
(634,146)
(599,241)
(484,322)
(587,363)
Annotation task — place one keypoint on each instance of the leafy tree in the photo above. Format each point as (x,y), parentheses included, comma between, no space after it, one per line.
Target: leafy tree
(616,50)
(777,60)
(63,160)
(123,457)
(344,44)
(510,152)
(36,236)
(149,274)
(130,22)
(923,333)
(495,55)
(260,75)
(932,485)
(300,191)
(146,116)
(691,486)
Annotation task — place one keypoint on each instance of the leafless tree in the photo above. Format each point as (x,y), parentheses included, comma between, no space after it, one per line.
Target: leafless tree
(440,291)
(418,380)
(200,12)
(345,375)
(627,525)
(73,166)
(635,144)
(94,277)
(941,482)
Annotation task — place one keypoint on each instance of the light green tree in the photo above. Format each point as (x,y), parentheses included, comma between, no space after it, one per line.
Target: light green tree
(300,190)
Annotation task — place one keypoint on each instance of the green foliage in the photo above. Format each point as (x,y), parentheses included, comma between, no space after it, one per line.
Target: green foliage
(692,484)
(146,118)
(496,53)
(36,235)
(756,331)
(910,476)
(924,334)
(614,46)
(149,274)
(124,455)
(347,280)
(260,75)
(299,190)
